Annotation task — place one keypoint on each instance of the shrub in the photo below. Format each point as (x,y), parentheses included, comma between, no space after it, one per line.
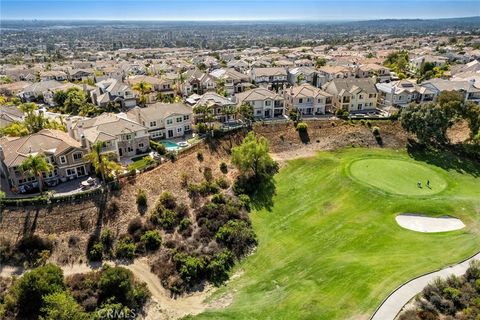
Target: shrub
(184,179)
(141,198)
(163,217)
(160,148)
(223,168)
(184,224)
(125,249)
(168,200)
(32,246)
(152,240)
(222,183)
(219,198)
(201,128)
(376,131)
(116,282)
(302,127)
(237,235)
(207,174)
(218,267)
(96,252)
(200,156)
(369,123)
(171,156)
(106,238)
(62,306)
(135,227)
(246,201)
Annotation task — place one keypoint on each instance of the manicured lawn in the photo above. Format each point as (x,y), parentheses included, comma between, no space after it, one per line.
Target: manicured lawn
(330,247)
(140,163)
(397,176)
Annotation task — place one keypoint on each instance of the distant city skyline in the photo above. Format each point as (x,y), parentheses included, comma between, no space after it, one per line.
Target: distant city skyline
(218,10)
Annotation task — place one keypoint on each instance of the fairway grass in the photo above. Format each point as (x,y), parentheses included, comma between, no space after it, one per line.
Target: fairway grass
(330,248)
(397,176)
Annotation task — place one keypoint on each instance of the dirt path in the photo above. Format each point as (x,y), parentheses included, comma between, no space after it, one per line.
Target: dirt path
(161,307)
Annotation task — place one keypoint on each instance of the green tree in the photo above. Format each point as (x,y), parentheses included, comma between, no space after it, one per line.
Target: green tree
(36,165)
(98,161)
(75,100)
(143,88)
(429,122)
(320,62)
(252,157)
(30,289)
(61,306)
(245,111)
(117,283)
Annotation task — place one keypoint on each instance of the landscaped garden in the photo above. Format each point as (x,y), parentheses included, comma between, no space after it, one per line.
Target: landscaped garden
(330,247)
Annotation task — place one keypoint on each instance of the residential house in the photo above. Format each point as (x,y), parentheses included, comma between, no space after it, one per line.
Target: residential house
(270,78)
(308,100)
(335,72)
(302,75)
(469,88)
(196,81)
(113,90)
(353,94)
(403,92)
(160,85)
(304,63)
(9,115)
(37,90)
(53,75)
(373,70)
(64,153)
(266,104)
(164,120)
(121,136)
(14,88)
(239,65)
(234,81)
(221,107)
(81,74)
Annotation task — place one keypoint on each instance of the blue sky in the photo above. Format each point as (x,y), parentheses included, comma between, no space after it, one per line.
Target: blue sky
(236,9)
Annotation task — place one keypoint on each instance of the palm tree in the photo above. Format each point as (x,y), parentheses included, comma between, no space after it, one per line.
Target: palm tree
(206,112)
(36,165)
(181,80)
(143,88)
(230,111)
(98,161)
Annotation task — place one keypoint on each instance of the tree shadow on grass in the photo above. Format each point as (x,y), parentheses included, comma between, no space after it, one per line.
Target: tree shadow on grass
(262,197)
(448,158)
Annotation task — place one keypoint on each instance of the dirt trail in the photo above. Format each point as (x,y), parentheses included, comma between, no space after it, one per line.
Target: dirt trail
(161,306)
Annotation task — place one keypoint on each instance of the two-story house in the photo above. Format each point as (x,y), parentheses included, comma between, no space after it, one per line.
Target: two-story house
(336,72)
(266,104)
(353,94)
(65,154)
(371,69)
(164,120)
(233,80)
(270,78)
(309,75)
(196,81)
(113,90)
(308,100)
(403,92)
(121,136)
(220,106)
(160,85)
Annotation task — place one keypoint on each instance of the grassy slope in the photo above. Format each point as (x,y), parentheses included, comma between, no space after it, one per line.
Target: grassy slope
(331,249)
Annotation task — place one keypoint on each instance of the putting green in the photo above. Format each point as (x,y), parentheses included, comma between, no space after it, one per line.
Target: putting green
(397,176)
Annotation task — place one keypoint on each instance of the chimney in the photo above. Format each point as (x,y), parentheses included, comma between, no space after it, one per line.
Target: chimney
(83,141)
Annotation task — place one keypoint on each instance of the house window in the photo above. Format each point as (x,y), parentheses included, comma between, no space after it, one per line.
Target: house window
(259,112)
(77,156)
(63,159)
(300,100)
(360,97)
(169,121)
(71,172)
(153,123)
(128,137)
(179,130)
(372,95)
(186,117)
(187,128)
(141,145)
(268,103)
(179,119)
(129,149)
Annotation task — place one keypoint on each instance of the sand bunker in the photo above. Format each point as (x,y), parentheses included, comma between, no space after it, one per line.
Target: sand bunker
(421,223)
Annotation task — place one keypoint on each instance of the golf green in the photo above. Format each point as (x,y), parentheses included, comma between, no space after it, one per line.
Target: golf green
(330,247)
(397,176)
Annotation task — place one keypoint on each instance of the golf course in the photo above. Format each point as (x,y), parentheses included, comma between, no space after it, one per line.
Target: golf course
(330,247)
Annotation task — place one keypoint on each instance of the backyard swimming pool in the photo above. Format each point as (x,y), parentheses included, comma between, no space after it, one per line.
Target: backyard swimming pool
(171,146)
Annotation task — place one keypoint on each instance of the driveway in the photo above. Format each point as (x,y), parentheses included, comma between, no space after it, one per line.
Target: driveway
(394,303)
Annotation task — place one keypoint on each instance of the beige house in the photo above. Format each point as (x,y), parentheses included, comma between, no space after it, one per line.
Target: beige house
(164,120)
(219,104)
(61,150)
(308,100)
(353,95)
(270,78)
(121,136)
(266,104)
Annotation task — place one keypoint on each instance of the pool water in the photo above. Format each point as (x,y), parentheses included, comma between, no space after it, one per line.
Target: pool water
(171,146)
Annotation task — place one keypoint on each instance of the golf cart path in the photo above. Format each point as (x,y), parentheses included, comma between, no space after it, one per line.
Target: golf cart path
(161,306)
(394,303)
